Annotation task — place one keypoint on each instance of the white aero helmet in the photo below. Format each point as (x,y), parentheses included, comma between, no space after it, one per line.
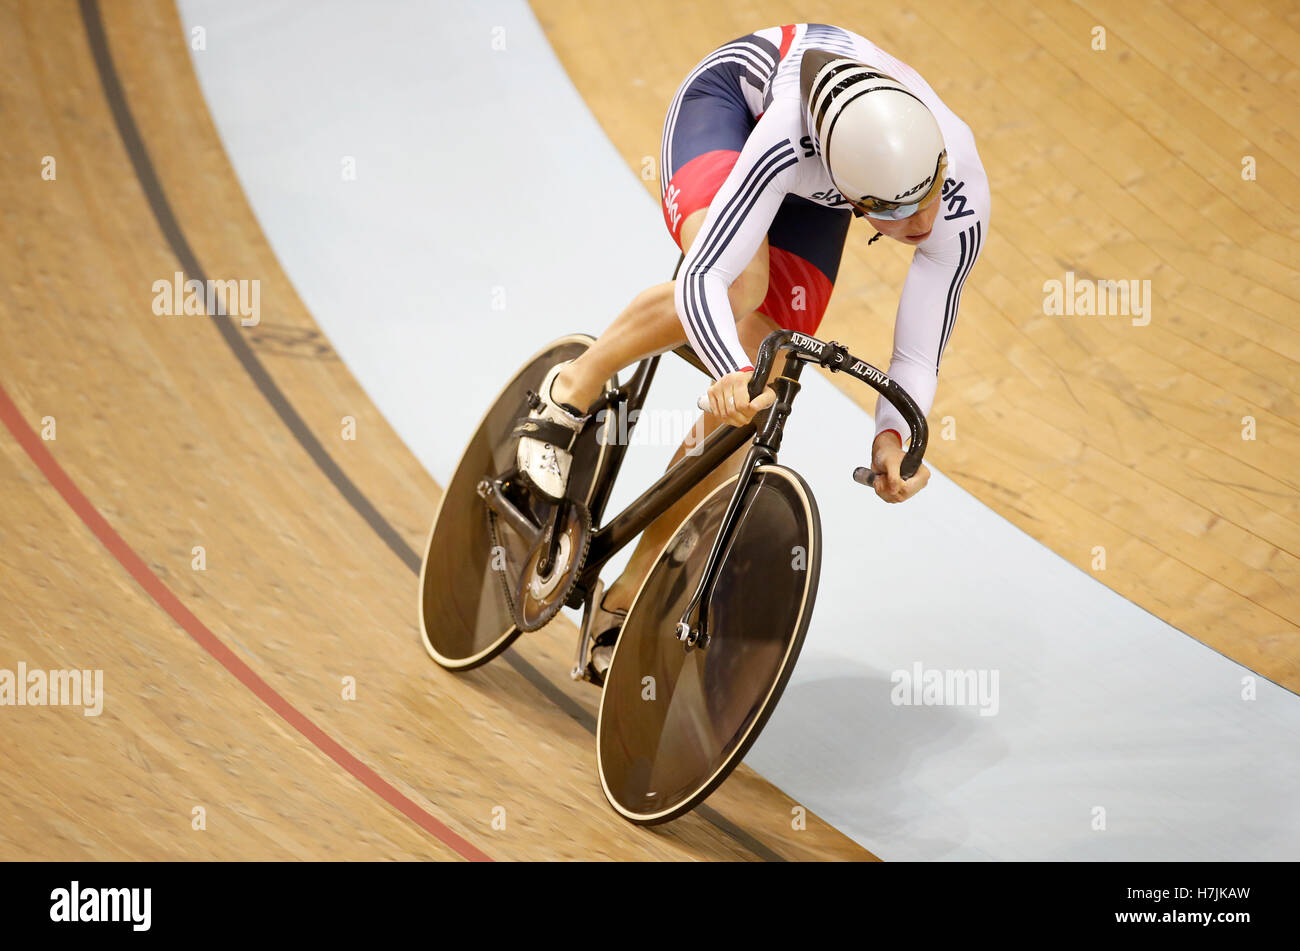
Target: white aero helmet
(880,145)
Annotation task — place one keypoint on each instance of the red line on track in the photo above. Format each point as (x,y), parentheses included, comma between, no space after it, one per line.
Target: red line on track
(152,584)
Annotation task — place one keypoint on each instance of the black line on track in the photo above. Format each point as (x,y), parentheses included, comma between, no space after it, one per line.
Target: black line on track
(266,385)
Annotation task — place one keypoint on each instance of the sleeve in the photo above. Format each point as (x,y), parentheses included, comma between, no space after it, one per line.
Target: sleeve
(737,219)
(927,313)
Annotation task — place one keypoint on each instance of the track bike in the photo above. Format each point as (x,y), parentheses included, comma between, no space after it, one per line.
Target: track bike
(714,631)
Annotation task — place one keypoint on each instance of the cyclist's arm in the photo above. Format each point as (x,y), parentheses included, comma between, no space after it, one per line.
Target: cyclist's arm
(733,231)
(927,313)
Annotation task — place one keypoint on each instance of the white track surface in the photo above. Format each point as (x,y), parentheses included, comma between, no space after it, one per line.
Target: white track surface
(467,183)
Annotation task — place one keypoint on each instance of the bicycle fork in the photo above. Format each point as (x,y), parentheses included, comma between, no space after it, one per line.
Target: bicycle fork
(692,630)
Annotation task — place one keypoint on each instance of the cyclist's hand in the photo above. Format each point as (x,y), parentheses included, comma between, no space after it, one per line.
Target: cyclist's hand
(886,457)
(728,398)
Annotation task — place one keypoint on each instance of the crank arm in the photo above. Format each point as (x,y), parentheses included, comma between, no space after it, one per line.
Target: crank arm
(553,532)
(489,490)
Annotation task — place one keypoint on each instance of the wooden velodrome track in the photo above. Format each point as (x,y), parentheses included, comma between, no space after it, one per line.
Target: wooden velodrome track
(225,685)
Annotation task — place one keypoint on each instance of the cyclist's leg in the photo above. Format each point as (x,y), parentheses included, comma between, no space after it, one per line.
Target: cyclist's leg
(650,325)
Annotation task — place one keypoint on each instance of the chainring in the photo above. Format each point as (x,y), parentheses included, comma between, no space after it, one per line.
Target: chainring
(535,599)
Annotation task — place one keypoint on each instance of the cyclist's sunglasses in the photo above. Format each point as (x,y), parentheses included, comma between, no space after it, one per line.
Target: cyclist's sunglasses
(892,210)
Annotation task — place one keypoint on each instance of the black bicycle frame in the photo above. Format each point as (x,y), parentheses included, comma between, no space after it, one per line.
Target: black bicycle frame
(609,539)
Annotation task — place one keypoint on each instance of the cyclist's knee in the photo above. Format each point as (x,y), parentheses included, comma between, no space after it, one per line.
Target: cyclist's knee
(656,301)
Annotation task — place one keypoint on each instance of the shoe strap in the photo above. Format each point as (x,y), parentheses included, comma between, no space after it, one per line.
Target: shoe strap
(559,436)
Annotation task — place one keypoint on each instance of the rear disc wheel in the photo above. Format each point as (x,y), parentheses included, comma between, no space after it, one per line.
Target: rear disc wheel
(465,616)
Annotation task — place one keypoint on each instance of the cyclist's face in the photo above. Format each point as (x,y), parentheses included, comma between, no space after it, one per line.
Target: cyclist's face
(911,230)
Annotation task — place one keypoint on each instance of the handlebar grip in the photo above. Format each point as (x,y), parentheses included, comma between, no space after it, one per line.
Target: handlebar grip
(907,468)
(864,475)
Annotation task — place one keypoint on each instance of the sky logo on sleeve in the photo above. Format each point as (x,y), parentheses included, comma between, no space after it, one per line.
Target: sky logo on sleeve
(955,200)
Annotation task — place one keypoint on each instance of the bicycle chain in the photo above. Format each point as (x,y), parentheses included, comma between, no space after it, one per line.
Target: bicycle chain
(495,543)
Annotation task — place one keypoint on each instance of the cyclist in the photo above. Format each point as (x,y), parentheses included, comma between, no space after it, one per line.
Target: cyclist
(772,145)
